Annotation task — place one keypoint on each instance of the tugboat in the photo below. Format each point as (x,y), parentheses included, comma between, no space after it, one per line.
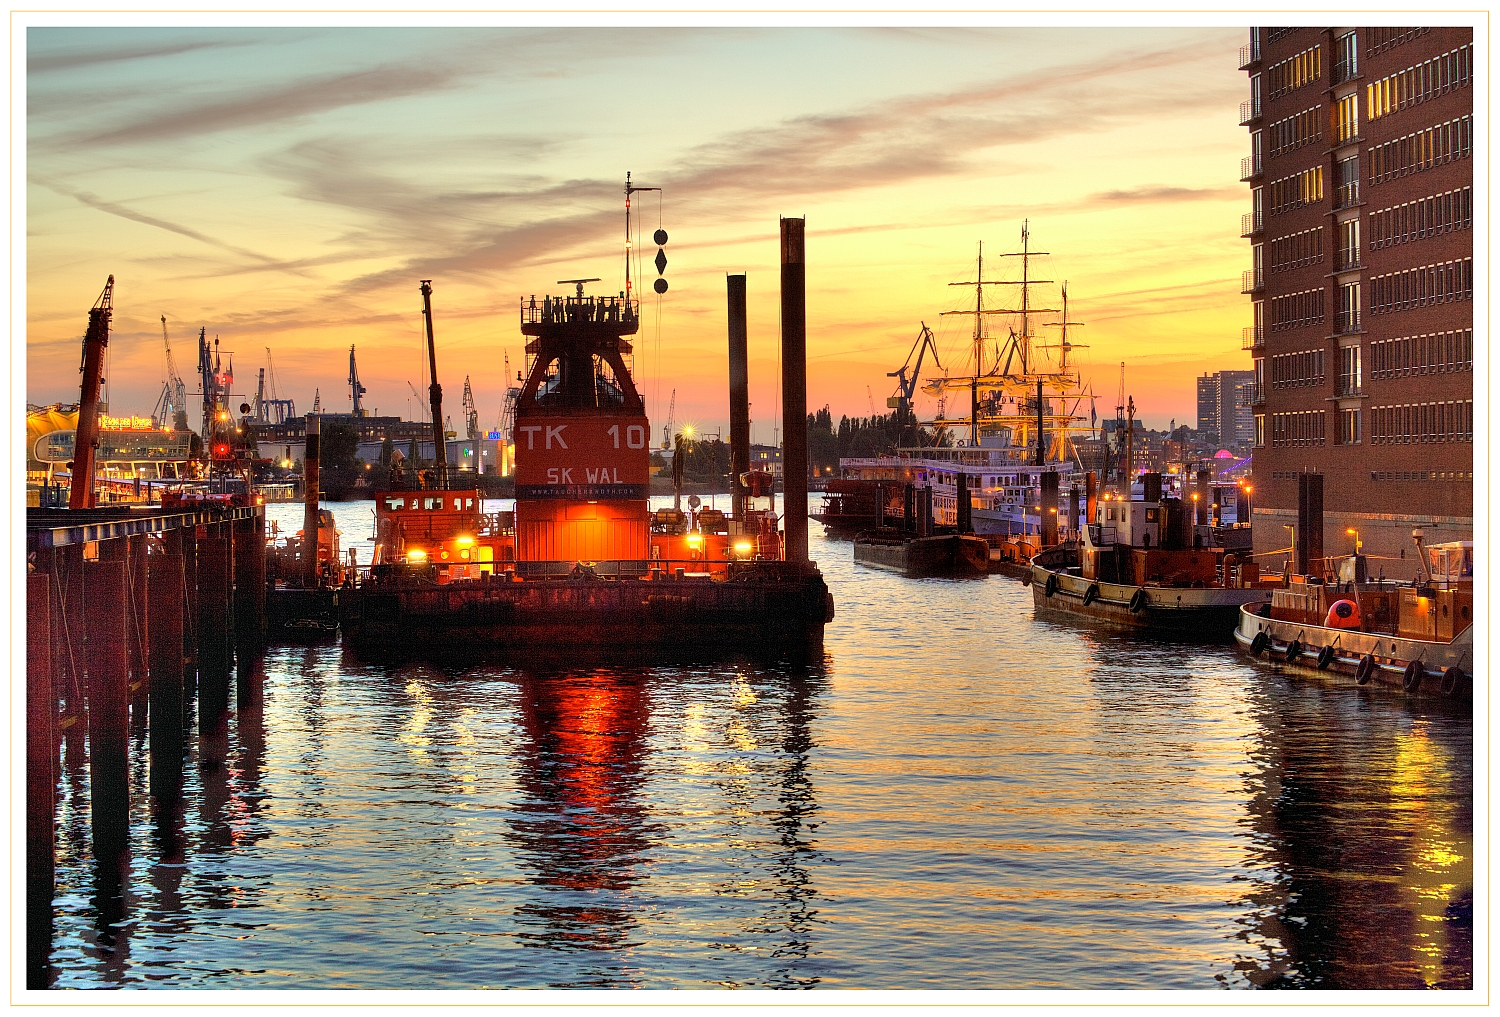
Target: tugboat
(1419,635)
(583,562)
(1139,569)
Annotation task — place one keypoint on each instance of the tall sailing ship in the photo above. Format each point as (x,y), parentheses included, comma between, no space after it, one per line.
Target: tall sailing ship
(1022,412)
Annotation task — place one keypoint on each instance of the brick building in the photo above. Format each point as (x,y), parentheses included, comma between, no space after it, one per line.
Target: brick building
(1362,282)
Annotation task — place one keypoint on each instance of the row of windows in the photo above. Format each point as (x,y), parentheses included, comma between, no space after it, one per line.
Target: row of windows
(1297,249)
(1414,423)
(1303,427)
(1296,310)
(1292,369)
(1295,191)
(1463,475)
(1422,150)
(1295,131)
(1295,71)
(1273,34)
(1378,40)
(1425,217)
(1420,82)
(1430,353)
(1416,287)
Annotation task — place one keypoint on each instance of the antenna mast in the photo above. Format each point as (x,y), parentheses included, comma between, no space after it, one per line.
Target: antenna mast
(629,190)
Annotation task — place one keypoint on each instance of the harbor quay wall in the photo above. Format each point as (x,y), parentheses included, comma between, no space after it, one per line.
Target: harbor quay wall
(1385,536)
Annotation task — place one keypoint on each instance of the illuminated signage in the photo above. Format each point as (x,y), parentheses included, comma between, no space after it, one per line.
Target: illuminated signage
(130,423)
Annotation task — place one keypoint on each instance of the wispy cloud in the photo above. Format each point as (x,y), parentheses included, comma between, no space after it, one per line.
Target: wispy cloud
(73,59)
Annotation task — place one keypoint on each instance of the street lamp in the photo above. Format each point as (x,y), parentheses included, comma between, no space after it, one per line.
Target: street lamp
(1358,544)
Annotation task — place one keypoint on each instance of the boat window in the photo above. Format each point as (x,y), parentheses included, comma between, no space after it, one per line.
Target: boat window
(1109,515)
(469,503)
(392,504)
(432,503)
(1150,515)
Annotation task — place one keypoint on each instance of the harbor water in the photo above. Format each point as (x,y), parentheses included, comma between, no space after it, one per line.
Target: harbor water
(957,795)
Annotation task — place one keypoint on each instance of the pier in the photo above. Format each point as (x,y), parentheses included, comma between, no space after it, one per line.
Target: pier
(130,612)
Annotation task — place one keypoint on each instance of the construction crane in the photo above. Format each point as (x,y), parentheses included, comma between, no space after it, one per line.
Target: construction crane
(86,438)
(355,388)
(666,430)
(471,415)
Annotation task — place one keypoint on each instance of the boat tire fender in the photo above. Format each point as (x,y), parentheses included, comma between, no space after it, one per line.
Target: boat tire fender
(1411,678)
(1293,651)
(1453,680)
(1051,584)
(1259,643)
(1325,657)
(1091,594)
(1138,602)
(1365,669)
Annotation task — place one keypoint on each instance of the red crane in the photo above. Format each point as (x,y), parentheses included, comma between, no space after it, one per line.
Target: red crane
(86,439)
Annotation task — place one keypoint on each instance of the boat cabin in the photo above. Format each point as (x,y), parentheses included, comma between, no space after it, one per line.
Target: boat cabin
(448,530)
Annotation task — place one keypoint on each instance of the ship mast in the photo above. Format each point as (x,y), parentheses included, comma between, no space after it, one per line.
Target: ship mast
(629,190)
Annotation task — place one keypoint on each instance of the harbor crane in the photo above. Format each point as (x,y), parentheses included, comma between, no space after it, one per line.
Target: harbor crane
(355,388)
(906,387)
(471,414)
(666,430)
(171,407)
(86,438)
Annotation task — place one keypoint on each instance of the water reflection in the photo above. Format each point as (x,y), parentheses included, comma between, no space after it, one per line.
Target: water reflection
(1364,850)
(580,826)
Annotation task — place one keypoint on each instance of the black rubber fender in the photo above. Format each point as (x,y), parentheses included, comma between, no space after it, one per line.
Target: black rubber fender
(1293,650)
(1091,594)
(1411,678)
(1259,643)
(1325,657)
(1026,578)
(1365,670)
(1138,602)
(1452,682)
(1051,584)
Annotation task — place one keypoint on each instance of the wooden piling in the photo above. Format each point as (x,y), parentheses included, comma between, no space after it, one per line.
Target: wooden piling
(165,589)
(109,706)
(739,394)
(794,388)
(1049,509)
(249,594)
(215,653)
(41,779)
(137,623)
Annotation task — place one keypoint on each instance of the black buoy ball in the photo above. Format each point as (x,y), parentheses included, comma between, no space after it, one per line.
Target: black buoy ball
(660,237)
(660,286)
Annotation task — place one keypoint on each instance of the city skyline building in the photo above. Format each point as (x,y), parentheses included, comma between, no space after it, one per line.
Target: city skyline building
(1361,282)
(1224,406)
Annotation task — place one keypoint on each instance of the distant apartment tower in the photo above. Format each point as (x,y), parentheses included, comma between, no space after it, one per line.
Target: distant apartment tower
(1362,281)
(1224,406)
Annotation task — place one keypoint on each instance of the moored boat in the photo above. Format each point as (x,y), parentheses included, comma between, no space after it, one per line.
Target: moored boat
(1138,569)
(1418,636)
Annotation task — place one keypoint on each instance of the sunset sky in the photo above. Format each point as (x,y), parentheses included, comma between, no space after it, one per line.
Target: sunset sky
(289,187)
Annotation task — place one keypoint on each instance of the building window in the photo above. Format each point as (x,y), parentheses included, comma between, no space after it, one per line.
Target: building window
(1295,370)
(1345,58)
(1296,310)
(1350,377)
(1347,319)
(1348,244)
(1378,40)
(1349,427)
(1296,191)
(1422,423)
(1297,250)
(1260,430)
(1431,353)
(1346,119)
(1295,131)
(1346,178)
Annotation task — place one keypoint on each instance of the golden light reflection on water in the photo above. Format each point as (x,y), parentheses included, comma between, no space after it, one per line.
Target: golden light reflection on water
(414,732)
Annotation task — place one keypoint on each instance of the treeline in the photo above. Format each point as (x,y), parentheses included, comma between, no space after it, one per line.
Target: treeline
(862,437)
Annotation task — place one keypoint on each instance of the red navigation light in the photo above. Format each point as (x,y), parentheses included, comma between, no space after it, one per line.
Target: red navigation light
(221,451)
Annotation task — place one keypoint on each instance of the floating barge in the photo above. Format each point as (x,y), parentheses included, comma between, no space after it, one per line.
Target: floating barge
(583,563)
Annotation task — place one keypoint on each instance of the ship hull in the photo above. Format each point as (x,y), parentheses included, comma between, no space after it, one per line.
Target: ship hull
(1197,613)
(1389,657)
(951,555)
(781,612)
